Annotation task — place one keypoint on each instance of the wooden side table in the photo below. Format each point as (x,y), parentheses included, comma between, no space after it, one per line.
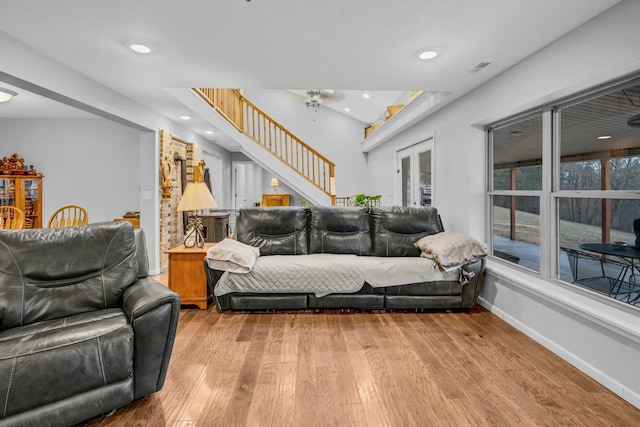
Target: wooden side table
(134,221)
(186,275)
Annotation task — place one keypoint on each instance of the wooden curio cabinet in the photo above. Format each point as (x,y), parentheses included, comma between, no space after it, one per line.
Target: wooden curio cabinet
(24,192)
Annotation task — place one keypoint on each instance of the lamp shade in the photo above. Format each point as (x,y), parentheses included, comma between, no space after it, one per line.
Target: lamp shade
(274,182)
(196,197)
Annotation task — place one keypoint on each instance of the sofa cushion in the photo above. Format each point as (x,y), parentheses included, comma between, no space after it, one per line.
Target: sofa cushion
(397,228)
(53,360)
(340,230)
(56,272)
(275,230)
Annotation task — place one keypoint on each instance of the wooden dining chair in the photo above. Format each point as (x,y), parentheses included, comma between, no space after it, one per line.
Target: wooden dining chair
(68,216)
(11,218)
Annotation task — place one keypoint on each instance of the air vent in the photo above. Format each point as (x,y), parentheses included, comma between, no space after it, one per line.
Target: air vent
(479,67)
(634,121)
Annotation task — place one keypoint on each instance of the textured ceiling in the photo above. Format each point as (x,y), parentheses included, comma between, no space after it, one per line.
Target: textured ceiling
(581,124)
(285,44)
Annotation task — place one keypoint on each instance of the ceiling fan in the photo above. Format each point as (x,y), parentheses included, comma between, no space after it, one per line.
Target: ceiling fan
(633,121)
(315,97)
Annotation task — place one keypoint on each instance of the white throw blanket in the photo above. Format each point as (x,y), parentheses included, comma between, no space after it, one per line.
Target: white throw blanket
(395,271)
(231,255)
(318,273)
(323,274)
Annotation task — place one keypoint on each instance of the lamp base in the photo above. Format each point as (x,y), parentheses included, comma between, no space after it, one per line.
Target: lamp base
(194,236)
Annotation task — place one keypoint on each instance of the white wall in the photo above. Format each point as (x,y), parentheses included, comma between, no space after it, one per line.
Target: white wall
(218,160)
(334,135)
(590,333)
(600,50)
(283,188)
(28,69)
(88,162)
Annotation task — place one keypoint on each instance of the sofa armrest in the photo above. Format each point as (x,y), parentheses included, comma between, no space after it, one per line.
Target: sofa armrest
(471,290)
(212,278)
(153,311)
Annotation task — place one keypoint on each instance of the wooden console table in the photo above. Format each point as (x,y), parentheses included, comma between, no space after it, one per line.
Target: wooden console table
(275,199)
(186,275)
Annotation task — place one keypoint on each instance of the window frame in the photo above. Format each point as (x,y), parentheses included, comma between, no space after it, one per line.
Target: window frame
(527,193)
(551,194)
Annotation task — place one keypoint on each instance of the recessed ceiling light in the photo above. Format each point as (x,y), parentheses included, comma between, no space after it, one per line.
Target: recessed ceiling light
(427,54)
(140,48)
(347,109)
(605,137)
(185,117)
(366,95)
(208,132)
(6,94)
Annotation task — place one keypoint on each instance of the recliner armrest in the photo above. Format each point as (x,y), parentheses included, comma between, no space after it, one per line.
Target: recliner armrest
(145,295)
(153,311)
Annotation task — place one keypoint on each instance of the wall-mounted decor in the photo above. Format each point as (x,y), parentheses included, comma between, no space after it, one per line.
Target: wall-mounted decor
(177,160)
(166,177)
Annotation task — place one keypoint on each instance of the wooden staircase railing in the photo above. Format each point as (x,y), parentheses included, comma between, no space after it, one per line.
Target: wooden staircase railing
(273,137)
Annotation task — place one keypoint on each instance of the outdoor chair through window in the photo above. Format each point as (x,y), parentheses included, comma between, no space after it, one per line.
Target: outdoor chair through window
(596,272)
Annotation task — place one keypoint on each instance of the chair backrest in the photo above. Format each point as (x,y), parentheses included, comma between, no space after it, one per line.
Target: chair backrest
(52,273)
(68,216)
(11,218)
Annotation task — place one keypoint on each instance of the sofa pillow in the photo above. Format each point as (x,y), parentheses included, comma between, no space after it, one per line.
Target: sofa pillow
(275,230)
(231,255)
(340,230)
(451,250)
(397,228)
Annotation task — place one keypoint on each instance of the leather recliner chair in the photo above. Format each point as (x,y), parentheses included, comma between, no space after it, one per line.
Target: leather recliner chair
(83,331)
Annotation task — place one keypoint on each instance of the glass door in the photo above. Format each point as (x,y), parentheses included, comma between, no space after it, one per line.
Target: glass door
(405,159)
(414,168)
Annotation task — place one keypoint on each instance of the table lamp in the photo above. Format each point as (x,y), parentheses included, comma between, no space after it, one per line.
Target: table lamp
(196,197)
(274,183)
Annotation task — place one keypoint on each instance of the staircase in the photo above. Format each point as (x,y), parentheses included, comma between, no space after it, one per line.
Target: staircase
(295,158)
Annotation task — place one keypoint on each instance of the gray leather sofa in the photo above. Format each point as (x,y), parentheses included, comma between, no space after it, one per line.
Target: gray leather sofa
(363,231)
(83,330)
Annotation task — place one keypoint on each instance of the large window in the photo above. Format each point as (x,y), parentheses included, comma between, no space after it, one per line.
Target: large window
(580,224)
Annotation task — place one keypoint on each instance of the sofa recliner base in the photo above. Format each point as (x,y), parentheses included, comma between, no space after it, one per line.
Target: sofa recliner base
(417,296)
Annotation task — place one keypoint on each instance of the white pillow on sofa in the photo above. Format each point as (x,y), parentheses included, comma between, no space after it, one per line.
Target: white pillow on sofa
(231,255)
(451,250)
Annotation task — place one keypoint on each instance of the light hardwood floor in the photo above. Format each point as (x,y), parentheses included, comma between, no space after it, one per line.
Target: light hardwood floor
(367,369)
